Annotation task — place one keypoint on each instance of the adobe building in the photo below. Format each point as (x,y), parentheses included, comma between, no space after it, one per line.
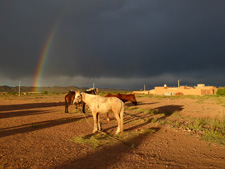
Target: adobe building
(199,90)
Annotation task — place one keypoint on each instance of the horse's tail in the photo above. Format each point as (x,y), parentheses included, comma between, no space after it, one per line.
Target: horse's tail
(121,116)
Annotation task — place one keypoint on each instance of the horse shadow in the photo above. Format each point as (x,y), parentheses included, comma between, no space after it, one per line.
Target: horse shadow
(167,110)
(141,103)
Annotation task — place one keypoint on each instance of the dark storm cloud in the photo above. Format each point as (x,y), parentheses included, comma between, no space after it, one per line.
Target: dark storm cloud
(118,39)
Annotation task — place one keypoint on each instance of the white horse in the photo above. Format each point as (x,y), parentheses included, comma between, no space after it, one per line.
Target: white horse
(98,104)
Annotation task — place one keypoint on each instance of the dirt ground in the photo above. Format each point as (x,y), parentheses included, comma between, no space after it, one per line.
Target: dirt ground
(36,133)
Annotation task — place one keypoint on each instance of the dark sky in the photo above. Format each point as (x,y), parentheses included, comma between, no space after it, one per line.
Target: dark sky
(116,43)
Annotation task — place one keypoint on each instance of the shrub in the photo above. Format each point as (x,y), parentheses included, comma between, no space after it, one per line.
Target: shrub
(221,91)
(45,92)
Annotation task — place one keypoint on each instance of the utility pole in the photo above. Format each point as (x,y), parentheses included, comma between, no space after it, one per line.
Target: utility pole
(144,87)
(179,83)
(19,88)
(93,84)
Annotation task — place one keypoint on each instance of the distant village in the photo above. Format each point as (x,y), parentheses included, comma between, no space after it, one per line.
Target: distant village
(199,90)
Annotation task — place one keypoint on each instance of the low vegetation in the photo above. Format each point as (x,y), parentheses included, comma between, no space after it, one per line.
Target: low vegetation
(221,91)
(212,130)
(105,139)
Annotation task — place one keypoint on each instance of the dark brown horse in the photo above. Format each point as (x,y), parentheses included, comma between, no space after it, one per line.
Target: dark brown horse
(69,100)
(124,97)
(71,95)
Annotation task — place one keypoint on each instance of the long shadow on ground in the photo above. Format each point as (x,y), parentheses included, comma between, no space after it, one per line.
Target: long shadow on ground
(36,126)
(22,113)
(109,156)
(140,103)
(165,110)
(168,110)
(29,106)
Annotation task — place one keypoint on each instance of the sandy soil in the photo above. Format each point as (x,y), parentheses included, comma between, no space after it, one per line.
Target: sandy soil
(36,133)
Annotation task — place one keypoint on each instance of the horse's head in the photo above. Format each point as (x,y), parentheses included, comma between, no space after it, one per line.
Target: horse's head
(133,99)
(78,97)
(96,91)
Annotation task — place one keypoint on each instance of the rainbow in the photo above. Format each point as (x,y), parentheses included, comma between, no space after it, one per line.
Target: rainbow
(47,46)
(42,60)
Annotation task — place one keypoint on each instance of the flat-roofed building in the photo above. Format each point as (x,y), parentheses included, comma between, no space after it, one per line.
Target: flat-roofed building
(200,90)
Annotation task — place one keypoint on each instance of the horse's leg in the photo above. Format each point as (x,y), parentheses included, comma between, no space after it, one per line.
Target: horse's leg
(121,118)
(98,119)
(119,122)
(76,107)
(66,106)
(95,122)
(83,107)
(107,117)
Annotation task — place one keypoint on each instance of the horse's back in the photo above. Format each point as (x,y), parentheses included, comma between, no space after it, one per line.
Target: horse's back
(104,104)
(113,100)
(128,97)
(108,100)
(115,103)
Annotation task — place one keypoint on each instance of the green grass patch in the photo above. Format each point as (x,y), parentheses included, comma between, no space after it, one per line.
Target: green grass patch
(197,124)
(176,114)
(151,120)
(94,141)
(150,111)
(162,122)
(137,121)
(211,130)
(214,137)
(131,108)
(99,140)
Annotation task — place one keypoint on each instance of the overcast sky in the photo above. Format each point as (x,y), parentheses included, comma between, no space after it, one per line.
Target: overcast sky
(115,43)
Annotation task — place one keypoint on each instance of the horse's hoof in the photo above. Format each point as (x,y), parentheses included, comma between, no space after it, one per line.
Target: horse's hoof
(94,131)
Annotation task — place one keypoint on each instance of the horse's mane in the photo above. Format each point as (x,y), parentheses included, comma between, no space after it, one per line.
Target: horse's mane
(90,89)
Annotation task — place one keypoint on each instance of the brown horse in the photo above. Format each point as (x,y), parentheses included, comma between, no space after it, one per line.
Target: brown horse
(71,95)
(69,99)
(124,97)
